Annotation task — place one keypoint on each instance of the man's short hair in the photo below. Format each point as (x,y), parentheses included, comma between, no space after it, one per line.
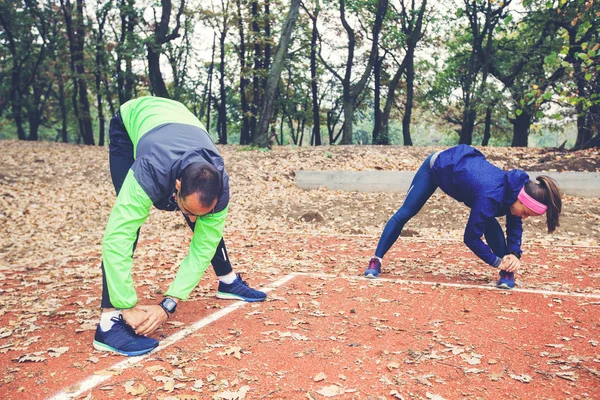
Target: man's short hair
(201,178)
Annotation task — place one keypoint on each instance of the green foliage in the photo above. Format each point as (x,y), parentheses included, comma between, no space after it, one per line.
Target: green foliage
(543,54)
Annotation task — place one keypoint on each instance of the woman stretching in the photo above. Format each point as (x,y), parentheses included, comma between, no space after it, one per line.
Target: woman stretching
(464,174)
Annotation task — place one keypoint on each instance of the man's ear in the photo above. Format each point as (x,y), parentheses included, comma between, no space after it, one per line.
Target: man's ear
(178,184)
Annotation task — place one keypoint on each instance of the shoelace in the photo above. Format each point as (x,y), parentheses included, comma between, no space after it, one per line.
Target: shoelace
(239,276)
(120,323)
(373,264)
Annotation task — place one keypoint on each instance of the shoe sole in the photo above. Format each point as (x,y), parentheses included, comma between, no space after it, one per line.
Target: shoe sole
(371,276)
(104,347)
(504,286)
(231,296)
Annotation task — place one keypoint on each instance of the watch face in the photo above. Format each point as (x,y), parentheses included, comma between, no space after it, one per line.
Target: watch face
(169,304)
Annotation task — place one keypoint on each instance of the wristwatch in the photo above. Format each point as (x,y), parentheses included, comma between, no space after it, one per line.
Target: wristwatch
(169,305)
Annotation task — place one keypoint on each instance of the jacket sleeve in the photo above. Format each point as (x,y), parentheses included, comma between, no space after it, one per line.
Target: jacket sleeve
(208,232)
(514,233)
(474,231)
(127,216)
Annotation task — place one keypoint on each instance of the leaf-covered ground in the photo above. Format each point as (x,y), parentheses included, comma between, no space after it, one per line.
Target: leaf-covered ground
(55,199)
(366,337)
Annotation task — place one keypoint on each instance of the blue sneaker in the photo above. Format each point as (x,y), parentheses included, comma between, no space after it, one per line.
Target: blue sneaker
(374,268)
(239,290)
(506,281)
(122,339)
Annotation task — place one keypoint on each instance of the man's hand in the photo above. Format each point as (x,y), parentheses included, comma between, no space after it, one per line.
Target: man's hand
(134,316)
(510,263)
(155,317)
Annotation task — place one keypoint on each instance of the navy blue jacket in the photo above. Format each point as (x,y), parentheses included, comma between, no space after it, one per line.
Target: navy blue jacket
(463,173)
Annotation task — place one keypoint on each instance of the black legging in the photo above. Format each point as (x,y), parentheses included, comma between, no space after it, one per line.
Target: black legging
(121,159)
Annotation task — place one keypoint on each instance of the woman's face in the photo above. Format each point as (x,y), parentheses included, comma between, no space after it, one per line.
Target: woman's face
(519,209)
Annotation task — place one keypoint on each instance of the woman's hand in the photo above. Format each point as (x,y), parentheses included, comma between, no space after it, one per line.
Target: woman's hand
(510,263)
(156,316)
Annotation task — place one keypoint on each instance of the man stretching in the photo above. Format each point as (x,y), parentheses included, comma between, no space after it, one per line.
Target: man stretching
(161,156)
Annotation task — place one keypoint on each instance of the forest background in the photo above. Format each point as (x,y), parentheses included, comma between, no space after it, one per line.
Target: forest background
(311,72)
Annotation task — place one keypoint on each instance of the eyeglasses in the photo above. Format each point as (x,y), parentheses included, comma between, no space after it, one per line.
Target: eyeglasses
(186,213)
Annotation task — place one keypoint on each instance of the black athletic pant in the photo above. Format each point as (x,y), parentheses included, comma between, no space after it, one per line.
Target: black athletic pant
(121,159)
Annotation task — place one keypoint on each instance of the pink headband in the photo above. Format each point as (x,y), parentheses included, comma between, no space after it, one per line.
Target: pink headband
(531,203)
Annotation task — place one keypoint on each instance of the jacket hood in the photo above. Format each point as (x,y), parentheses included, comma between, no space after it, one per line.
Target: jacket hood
(515,180)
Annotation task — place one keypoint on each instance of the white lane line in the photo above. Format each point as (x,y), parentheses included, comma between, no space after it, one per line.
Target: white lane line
(455,285)
(95,380)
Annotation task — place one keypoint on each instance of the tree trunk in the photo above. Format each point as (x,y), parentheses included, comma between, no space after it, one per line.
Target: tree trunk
(34,120)
(222,118)
(584,134)
(36,110)
(85,110)
(481,60)
(267,57)
(209,86)
(377,122)
(245,133)
(468,125)
(126,78)
(389,102)
(521,125)
(154,46)
(261,138)
(63,110)
(412,25)
(154,74)
(354,90)
(584,126)
(348,107)
(76,35)
(100,62)
(302,123)
(316,130)
(256,98)
(410,79)
(488,128)
(101,119)
(16,105)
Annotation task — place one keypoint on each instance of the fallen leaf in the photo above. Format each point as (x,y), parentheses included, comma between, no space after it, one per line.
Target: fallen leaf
(57,351)
(35,357)
(396,395)
(140,390)
(433,396)
(521,378)
(235,351)
(569,376)
(229,395)
(331,391)
(320,377)
(169,386)
(393,365)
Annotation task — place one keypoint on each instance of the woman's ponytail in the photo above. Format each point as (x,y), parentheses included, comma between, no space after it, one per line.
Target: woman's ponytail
(547,192)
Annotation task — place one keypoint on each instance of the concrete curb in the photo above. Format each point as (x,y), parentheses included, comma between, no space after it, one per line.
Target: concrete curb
(580,184)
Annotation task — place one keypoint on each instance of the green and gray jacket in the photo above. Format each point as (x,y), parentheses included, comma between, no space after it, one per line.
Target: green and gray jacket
(166,138)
